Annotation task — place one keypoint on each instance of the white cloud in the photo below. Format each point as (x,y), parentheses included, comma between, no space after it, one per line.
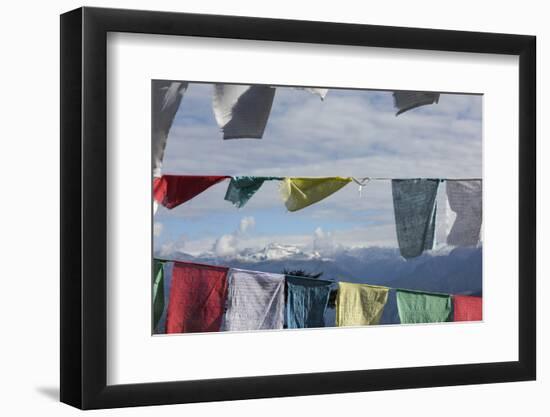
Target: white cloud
(229,244)
(318,240)
(323,242)
(171,247)
(247,223)
(226,245)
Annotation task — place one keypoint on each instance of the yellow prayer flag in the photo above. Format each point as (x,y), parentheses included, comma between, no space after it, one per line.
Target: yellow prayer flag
(298,193)
(360,304)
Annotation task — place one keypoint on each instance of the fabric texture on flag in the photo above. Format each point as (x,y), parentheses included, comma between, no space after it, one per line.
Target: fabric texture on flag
(306,303)
(241,189)
(414,204)
(197,298)
(242,111)
(465,199)
(173,190)
(423,307)
(360,304)
(298,193)
(467,308)
(408,100)
(158,292)
(255,301)
(166,98)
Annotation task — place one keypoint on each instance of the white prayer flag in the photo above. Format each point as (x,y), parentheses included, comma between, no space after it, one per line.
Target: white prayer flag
(242,111)
(255,301)
(166,99)
(465,199)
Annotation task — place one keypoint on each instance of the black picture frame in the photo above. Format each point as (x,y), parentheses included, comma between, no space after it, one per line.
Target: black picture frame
(84,207)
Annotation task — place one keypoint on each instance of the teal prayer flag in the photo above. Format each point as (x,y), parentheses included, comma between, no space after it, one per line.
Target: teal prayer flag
(241,189)
(307,301)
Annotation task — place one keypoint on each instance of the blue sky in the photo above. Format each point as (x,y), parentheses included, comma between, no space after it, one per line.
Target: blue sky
(350,133)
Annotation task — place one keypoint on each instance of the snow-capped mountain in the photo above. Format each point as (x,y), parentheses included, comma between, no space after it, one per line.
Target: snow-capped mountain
(276,251)
(271,252)
(455,271)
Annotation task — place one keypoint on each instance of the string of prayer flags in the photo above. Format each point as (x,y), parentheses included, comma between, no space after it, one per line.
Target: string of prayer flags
(467,308)
(207,298)
(255,301)
(166,99)
(423,307)
(242,111)
(173,190)
(158,291)
(465,199)
(408,100)
(241,189)
(414,203)
(298,193)
(307,301)
(197,298)
(360,304)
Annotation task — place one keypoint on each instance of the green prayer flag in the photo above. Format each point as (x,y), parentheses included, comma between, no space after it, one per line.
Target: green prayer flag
(241,189)
(423,307)
(158,292)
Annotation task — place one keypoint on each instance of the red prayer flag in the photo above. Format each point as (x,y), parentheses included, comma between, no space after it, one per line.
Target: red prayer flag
(159,189)
(173,190)
(197,298)
(467,308)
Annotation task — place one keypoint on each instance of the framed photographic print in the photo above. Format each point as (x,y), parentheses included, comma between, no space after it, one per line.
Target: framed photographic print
(257,208)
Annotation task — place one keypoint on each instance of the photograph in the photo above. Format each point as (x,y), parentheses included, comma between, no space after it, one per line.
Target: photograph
(298,207)
(264,206)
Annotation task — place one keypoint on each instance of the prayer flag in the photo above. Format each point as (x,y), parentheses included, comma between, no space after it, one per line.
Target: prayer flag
(414,203)
(307,300)
(298,193)
(423,307)
(465,199)
(242,111)
(173,190)
(467,308)
(321,92)
(408,100)
(166,99)
(360,304)
(158,292)
(241,189)
(255,301)
(197,298)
